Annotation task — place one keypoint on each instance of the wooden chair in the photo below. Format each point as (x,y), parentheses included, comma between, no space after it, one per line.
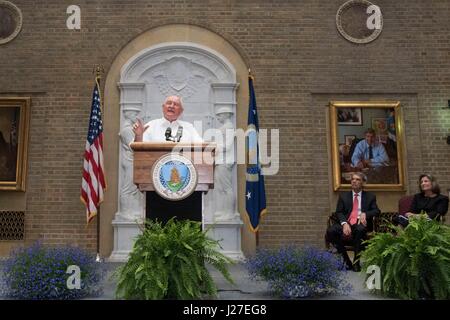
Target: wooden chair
(404,204)
(382,223)
(379,224)
(353,146)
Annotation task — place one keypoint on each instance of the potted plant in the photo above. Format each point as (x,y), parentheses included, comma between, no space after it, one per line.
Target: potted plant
(169,262)
(414,262)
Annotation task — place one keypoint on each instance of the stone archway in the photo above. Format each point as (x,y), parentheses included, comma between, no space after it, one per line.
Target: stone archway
(206,82)
(200,39)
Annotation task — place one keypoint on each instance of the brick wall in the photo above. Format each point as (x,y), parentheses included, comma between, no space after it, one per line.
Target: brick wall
(299,60)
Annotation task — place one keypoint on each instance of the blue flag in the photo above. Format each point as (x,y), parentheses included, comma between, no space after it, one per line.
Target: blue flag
(255,194)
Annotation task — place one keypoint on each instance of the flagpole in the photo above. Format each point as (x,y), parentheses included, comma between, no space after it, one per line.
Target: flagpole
(256,232)
(98,71)
(98,258)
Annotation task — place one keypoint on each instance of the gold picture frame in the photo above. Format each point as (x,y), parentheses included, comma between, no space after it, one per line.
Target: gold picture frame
(384,164)
(14,130)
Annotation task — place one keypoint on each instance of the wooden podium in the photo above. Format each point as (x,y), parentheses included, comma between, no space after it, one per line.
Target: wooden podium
(147,155)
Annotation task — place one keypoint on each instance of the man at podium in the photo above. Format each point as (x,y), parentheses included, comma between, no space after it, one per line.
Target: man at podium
(170,129)
(167,128)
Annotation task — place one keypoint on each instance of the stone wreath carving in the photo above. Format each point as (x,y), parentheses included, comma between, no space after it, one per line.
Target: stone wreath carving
(10,21)
(351,22)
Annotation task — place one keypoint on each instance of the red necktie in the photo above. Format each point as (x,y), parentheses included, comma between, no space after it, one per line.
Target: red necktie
(354,215)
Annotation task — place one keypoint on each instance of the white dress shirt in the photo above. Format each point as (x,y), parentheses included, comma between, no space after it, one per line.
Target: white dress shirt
(157,131)
(359,204)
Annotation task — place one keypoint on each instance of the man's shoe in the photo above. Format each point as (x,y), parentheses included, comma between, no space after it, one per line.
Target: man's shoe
(348,267)
(347,262)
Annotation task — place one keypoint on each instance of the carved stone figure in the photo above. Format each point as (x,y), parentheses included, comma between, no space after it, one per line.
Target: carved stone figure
(223,191)
(130,196)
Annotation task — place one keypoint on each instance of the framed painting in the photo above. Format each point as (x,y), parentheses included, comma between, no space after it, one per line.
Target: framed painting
(14,127)
(374,148)
(349,139)
(350,116)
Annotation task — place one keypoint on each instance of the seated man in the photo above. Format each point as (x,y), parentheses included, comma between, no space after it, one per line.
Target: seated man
(369,152)
(354,210)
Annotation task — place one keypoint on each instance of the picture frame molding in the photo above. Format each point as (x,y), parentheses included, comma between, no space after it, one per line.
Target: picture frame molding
(336,166)
(23,128)
(350,136)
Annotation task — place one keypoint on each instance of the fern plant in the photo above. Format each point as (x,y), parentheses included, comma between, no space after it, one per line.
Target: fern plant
(414,262)
(169,262)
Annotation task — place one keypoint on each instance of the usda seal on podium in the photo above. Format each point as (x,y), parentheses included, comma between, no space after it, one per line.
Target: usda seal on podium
(174,177)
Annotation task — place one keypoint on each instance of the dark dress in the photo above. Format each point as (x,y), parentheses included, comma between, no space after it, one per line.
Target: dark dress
(435,207)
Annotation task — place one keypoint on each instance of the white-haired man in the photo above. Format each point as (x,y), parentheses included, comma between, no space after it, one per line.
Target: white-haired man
(167,128)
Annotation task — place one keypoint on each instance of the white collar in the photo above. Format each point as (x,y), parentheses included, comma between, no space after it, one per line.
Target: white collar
(167,123)
(358,193)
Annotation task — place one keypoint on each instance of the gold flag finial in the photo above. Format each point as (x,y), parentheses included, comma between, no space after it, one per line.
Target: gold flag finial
(250,74)
(98,70)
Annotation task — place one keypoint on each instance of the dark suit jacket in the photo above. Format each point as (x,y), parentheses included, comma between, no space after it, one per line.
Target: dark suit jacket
(368,205)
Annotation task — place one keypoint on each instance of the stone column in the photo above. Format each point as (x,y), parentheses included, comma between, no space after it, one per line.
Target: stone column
(131,202)
(225,223)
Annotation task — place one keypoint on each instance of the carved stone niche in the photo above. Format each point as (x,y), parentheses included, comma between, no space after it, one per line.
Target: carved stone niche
(206,82)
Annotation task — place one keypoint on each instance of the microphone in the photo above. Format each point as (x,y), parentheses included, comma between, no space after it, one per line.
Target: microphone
(169,134)
(179,133)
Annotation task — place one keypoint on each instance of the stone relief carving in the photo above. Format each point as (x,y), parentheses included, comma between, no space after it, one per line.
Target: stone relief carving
(130,198)
(352,21)
(224,195)
(179,76)
(189,72)
(10,21)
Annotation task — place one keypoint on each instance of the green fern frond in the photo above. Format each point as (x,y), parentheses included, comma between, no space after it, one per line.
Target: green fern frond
(168,262)
(415,262)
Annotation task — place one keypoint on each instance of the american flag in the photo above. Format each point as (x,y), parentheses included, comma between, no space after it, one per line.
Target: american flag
(93,182)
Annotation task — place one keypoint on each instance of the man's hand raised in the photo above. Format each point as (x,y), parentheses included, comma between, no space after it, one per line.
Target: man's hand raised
(139,129)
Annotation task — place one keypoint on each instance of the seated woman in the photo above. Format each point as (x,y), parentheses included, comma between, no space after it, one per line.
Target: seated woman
(429,200)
